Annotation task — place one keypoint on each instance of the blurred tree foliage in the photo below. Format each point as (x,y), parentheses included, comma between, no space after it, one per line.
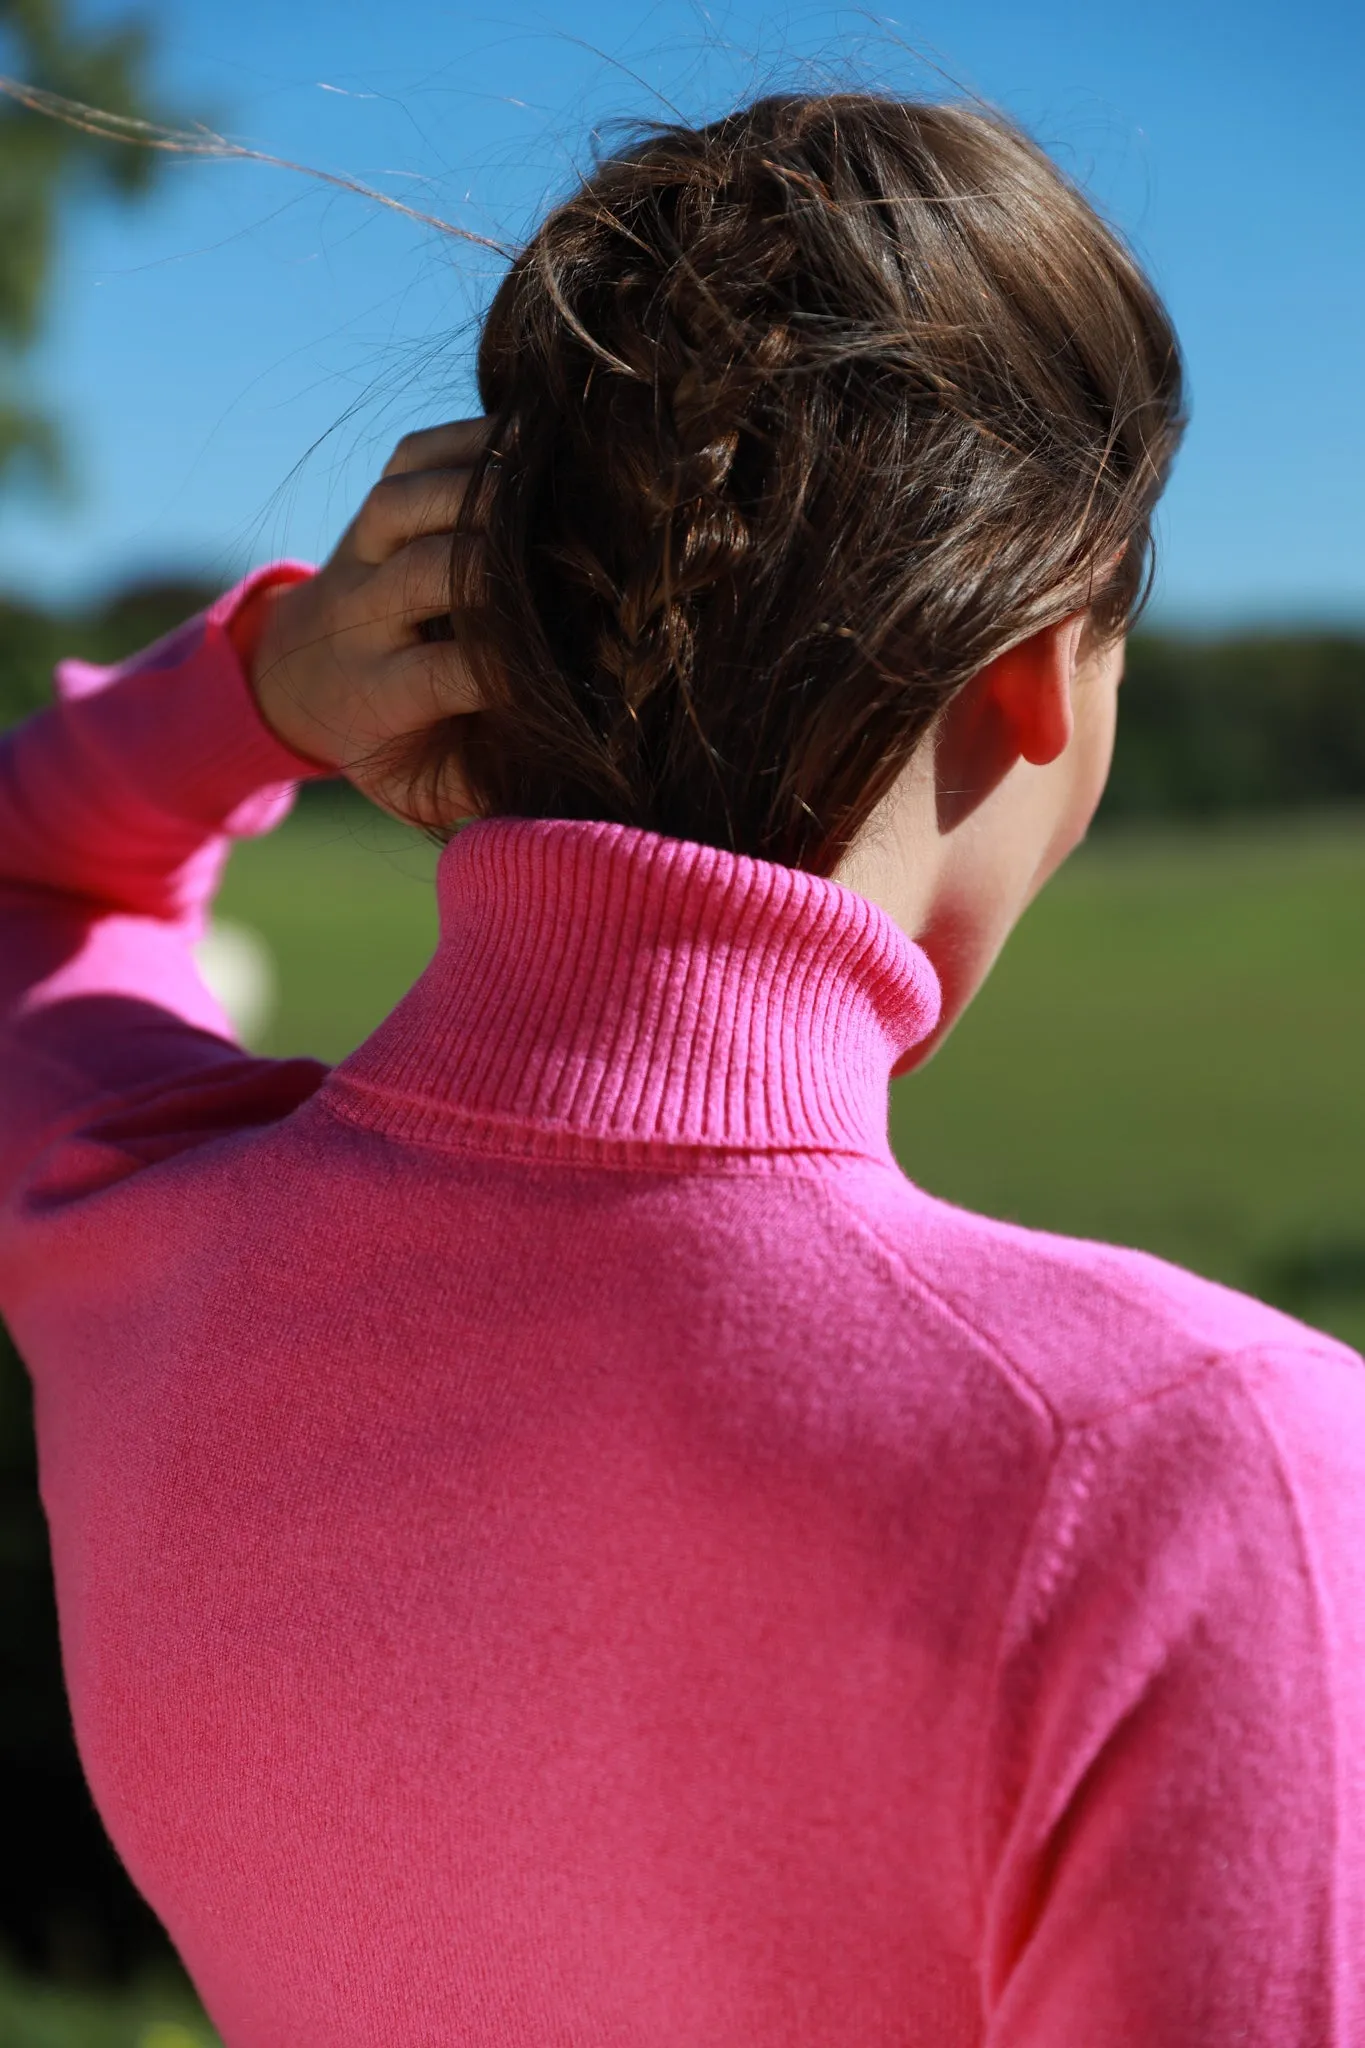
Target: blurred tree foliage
(1253,722)
(1207,728)
(32,641)
(42,163)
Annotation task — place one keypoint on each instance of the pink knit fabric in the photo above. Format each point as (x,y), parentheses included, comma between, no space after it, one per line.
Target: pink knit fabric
(560,1544)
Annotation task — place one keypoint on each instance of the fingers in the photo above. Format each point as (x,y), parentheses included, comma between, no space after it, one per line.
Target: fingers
(403,507)
(452,446)
(420,492)
(435,682)
(416,585)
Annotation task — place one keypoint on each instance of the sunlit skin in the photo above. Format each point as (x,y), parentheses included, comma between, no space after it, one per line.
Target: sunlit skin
(989,806)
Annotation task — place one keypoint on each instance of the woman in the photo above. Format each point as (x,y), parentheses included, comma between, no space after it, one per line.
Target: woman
(557,1539)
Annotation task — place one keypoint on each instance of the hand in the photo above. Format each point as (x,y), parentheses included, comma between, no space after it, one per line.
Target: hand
(340,664)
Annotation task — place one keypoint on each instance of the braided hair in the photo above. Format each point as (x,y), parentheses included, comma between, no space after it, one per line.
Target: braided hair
(798,419)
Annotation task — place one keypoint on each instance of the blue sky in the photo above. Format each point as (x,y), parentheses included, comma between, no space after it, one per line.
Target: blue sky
(233,358)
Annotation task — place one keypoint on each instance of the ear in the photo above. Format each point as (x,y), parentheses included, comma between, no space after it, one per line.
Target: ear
(1018,707)
(1030,687)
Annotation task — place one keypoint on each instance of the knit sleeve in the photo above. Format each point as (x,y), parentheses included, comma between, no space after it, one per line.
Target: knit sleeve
(118,805)
(1174,1800)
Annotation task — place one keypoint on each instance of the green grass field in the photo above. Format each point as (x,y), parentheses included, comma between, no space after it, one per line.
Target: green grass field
(1169,1053)
(154,2014)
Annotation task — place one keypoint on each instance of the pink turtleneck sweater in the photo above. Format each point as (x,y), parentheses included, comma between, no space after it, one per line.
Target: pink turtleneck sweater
(560,1544)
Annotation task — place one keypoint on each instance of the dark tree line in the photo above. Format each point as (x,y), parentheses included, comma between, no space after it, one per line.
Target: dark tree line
(1253,722)
(33,640)
(1207,728)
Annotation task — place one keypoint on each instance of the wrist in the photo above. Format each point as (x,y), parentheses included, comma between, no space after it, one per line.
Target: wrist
(245,627)
(260,641)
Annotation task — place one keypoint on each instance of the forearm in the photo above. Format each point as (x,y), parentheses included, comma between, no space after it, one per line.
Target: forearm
(116,794)
(117,809)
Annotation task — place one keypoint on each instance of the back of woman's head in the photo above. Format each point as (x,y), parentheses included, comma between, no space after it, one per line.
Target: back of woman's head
(798,420)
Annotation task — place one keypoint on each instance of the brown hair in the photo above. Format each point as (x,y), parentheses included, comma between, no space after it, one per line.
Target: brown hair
(798,420)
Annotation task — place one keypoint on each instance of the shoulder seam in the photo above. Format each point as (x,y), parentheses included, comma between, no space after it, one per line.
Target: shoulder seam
(1022,1381)
(1040,1561)
(1320,1606)
(1068,1514)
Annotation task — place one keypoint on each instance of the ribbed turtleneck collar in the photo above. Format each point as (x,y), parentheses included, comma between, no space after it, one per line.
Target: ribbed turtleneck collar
(598,985)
